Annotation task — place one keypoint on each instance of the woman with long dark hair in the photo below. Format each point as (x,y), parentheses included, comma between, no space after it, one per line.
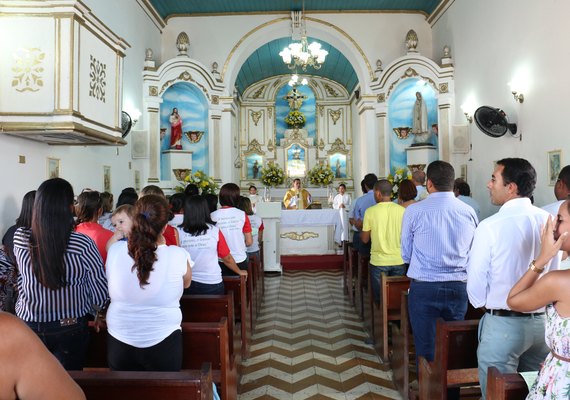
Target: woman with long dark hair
(24,220)
(60,277)
(146,280)
(200,236)
(235,226)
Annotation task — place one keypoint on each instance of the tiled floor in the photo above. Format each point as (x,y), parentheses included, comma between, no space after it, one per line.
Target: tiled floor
(309,344)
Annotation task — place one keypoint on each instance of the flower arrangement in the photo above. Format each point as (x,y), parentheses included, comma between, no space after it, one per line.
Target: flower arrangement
(399,175)
(321,175)
(295,118)
(205,183)
(272,174)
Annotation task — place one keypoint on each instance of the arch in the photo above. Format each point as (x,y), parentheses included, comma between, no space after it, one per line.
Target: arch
(280,27)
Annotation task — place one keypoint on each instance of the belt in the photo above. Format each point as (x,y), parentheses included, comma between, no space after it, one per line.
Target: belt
(566,359)
(63,322)
(509,313)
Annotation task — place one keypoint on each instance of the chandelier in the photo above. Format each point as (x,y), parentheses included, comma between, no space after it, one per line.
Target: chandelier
(300,53)
(294,81)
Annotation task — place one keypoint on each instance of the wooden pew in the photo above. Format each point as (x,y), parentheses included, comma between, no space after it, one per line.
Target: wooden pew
(361,284)
(237,285)
(389,310)
(346,278)
(402,355)
(202,342)
(455,360)
(212,308)
(352,274)
(258,284)
(119,385)
(208,342)
(502,386)
(250,294)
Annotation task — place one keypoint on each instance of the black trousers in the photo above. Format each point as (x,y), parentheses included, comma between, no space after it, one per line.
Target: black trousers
(164,356)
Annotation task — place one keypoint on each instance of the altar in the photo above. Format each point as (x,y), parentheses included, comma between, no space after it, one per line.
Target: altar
(315,232)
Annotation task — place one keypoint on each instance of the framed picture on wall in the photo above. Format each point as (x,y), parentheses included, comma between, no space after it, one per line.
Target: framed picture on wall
(53,170)
(253,164)
(554,165)
(296,161)
(137,180)
(106,178)
(337,161)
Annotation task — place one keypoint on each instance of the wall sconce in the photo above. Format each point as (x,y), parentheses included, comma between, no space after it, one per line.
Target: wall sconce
(519,85)
(465,108)
(135,114)
(518,96)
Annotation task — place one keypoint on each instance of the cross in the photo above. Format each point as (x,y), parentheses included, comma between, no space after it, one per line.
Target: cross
(295,99)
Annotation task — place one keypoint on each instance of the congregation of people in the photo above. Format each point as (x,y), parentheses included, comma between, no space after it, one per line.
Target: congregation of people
(70,260)
(506,265)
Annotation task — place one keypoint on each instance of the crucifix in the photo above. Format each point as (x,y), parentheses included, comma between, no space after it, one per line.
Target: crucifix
(295,99)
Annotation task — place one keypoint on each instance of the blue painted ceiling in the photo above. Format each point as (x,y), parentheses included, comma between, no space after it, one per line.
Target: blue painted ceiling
(265,61)
(167,8)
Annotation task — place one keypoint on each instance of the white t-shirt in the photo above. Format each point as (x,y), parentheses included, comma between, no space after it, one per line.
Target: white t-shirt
(233,223)
(204,251)
(177,220)
(256,226)
(143,317)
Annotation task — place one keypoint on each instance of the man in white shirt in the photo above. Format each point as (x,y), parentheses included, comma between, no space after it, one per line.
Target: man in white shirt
(561,191)
(503,248)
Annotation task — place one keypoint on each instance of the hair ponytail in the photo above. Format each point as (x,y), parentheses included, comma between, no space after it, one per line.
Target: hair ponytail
(149,219)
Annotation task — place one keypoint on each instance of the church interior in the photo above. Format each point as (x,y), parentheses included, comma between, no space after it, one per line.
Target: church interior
(114,94)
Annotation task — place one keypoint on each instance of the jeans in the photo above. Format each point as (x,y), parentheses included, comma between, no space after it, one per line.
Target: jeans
(375,271)
(511,344)
(205,288)
(67,343)
(363,248)
(164,356)
(429,301)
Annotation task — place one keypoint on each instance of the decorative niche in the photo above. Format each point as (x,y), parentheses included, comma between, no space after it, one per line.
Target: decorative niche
(61,77)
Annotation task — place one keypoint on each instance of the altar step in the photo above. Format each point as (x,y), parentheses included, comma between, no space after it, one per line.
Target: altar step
(333,261)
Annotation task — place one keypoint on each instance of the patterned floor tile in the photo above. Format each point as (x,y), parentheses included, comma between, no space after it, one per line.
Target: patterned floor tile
(309,344)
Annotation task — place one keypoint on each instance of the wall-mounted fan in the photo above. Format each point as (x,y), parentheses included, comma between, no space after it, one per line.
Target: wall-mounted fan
(126,124)
(493,121)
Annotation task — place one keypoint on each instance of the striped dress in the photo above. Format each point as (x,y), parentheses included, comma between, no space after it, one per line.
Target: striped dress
(85,277)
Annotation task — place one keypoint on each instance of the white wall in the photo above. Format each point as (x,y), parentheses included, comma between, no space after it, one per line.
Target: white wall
(83,165)
(378,35)
(491,41)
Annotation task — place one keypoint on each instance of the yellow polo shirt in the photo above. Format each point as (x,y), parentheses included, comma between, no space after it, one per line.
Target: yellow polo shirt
(384,221)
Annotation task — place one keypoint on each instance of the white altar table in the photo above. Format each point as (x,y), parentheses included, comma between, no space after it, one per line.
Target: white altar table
(310,231)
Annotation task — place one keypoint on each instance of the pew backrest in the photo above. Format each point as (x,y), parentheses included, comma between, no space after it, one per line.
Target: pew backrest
(119,385)
(455,359)
(210,308)
(502,386)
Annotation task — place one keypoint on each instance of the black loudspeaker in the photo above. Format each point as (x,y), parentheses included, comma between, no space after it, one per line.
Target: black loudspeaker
(357,94)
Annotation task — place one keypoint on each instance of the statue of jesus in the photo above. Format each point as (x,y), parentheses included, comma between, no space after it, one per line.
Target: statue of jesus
(295,99)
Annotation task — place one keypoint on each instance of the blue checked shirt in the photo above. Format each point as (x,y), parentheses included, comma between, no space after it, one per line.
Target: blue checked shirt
(436,237)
